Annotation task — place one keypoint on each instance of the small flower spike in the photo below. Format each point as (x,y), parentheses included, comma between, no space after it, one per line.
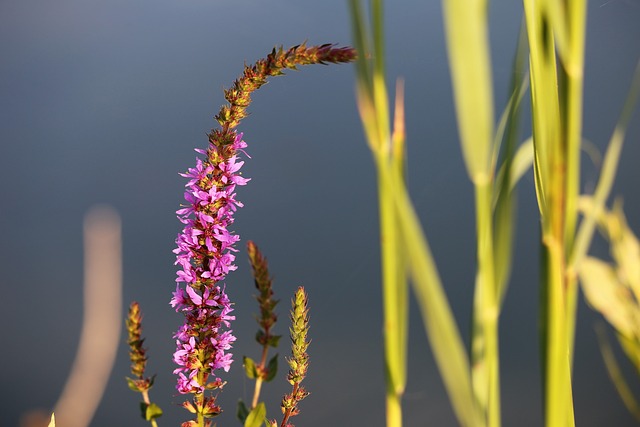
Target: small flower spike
(299,361)
(137,354)
(261,371)
(266,303)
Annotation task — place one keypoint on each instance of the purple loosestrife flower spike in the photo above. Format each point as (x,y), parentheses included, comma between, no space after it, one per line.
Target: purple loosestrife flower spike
(205,247)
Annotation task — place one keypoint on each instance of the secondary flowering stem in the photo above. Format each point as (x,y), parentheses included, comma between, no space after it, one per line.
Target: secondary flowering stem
(299,361)
(138,357)
(268,317)
(205,246)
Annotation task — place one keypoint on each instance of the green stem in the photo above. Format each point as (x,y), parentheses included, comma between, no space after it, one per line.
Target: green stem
(486,371)
(395,295)
(259,381)
(199,398)
(574,75)
(256,392)
(394,410)
(558,393)
(147,400)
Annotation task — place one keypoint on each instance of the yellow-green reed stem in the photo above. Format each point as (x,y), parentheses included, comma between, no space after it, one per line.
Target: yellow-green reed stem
(394,292)
(557,118)
(557,387)
(380,98)
(572,72)
(395,307)
(388,152)
(486,376)
(466,29)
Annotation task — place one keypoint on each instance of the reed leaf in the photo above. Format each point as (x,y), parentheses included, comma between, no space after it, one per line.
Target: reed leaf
(503,197)
(607,176)
(615,373)
(467,38)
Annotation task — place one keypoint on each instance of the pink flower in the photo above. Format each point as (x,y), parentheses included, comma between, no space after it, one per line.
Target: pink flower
(204,254)
(179,298)
(189,384)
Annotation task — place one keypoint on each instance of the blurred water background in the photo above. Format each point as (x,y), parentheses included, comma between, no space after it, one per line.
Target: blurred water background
(104,101)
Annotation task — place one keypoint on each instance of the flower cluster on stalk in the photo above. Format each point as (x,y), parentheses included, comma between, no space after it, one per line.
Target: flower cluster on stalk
(205,254)
(205,247)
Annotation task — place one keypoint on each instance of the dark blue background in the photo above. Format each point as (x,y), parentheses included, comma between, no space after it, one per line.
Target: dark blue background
(104,101)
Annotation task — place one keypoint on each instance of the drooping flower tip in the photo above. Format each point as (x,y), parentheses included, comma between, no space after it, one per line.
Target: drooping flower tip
(253,77)
(330,53)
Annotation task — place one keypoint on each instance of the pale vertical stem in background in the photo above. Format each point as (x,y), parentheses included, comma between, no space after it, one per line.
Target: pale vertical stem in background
(102,319)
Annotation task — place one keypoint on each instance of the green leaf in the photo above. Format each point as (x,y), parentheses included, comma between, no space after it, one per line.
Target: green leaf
(606,295)
(625,249)
(257,416)
(132,384)
(615,373)
(467,36)
(607,175)
(241,411)
(152,411)
(143,410)
(522,161)
(274,340)
(631,348)
(250,367)
(503,198)
(272,368)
